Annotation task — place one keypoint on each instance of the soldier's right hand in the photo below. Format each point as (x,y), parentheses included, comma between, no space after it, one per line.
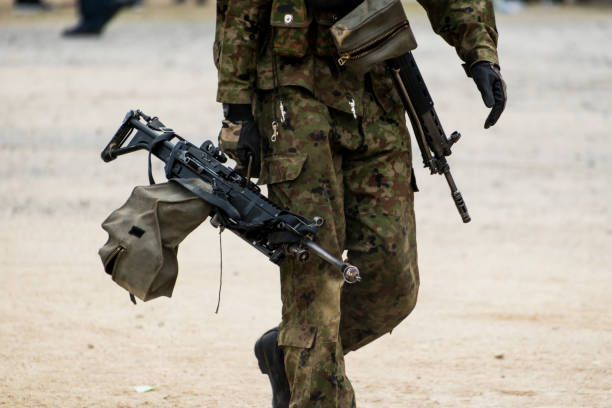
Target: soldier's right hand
(492,87)
(239,139)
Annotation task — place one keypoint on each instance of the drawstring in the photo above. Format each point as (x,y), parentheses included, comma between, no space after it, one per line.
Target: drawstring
(277,95)
(220,271)
(167,135)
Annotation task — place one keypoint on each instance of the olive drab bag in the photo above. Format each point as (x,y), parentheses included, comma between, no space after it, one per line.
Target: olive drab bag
(373,32)
(144,234)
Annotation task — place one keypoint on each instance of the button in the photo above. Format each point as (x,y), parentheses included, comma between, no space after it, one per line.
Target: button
(288,19)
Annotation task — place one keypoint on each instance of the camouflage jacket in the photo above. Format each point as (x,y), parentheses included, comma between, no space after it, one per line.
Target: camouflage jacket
(249,32)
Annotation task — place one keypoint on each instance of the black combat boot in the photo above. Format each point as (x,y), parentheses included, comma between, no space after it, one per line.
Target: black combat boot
(95,14)
(31,5)
(271,361)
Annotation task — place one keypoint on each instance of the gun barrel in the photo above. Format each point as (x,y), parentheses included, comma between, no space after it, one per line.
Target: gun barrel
(349,272)
(457,197)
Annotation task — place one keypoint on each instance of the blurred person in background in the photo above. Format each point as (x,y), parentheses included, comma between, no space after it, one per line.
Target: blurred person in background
(31,5)
(95,14)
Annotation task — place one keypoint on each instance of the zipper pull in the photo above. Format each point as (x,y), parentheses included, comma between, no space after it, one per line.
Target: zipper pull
(352,105)
(282,111)
(343,59)
(274,131)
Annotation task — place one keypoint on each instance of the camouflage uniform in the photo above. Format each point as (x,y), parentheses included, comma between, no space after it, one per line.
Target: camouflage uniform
(341,152)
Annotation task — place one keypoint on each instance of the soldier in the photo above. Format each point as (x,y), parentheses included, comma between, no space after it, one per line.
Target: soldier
(333,144)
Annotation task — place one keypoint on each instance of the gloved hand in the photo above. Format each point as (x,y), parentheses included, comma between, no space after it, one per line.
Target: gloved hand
(239,138)
(492,87)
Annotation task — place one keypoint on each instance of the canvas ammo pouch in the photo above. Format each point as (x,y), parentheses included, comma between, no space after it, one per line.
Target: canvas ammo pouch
(373,32)
(144,234)
(290,23)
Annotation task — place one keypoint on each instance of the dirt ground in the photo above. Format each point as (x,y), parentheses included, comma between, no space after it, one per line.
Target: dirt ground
(514,308)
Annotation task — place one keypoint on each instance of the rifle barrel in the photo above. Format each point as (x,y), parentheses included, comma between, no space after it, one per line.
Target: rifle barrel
(350,272)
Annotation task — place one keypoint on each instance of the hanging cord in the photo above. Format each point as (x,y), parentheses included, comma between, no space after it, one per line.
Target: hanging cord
(220,271)
(277,93)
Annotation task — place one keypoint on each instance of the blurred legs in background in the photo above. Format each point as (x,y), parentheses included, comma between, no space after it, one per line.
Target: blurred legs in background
(95,14)
(31,5)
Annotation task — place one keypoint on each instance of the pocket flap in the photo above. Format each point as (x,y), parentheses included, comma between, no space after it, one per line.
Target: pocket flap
(279,168)
(290,14)
(297,336)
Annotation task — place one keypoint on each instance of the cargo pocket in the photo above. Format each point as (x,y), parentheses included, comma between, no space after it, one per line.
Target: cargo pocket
(297,343)
(279,168)
(290,22)
(297,336)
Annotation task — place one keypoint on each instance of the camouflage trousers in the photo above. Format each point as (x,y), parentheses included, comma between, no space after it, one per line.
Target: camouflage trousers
(356,174)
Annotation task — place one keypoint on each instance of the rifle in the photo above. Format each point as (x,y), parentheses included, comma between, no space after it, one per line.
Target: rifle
(237,203)
(432,141)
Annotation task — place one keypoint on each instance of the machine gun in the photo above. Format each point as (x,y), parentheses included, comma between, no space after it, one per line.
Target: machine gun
(432,141)
(237,203)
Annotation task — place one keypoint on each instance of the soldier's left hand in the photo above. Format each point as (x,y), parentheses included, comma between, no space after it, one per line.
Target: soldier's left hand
(239,139)
(492,87)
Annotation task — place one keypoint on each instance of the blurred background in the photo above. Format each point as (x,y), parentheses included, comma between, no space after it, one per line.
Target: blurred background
(514,308)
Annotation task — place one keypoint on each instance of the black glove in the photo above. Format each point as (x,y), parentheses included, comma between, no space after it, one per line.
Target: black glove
(492,87)
(239,139)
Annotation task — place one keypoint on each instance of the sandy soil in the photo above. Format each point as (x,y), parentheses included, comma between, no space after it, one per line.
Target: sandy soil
(514,308)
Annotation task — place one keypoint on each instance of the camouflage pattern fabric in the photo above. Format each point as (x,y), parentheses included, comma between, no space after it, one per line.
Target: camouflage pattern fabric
(228,138)
(290,23)
(356,174)
(245,41)
(342,153)
(467,25)
(239,27)
(289,13)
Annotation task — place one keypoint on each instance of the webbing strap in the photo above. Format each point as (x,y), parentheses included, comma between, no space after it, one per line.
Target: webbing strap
(159,139)
(212,199)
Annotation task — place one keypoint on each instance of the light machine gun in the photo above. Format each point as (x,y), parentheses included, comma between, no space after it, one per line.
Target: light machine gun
(237,203)
(432,141)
